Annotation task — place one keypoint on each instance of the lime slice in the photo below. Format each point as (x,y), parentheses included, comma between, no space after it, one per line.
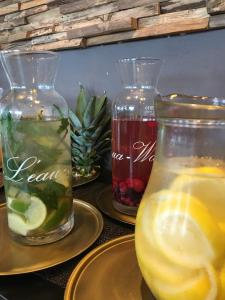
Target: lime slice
(26,216)
(56,216)
(18,206)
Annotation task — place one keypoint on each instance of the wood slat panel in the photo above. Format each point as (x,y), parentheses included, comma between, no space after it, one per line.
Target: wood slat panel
(12,24)
(26,13)
(82,5)
(217,21)
(216,6)
(65,44)
(126,4)
(92,12)
(41,31)
(104,28)
(7,2)
(49,17)
(138,12)
(66,26)
(50,38)
(34,3)
(9,9)
(58,3)
(29,27)
(64,22)
(167,6)
(17,45)
(176,22)
(54,15)
(17,37)
(4,36)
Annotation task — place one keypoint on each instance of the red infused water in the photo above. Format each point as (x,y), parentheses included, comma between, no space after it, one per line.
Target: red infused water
(133,149)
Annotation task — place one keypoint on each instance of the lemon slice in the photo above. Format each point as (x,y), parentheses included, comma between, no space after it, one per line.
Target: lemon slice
(222,284)
(153,263)
(208,185)
(184,231)
(24,216)
(204,286)
(206,170)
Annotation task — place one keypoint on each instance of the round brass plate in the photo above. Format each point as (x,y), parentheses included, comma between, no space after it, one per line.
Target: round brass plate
(109,272)
(16,258)
(105,204)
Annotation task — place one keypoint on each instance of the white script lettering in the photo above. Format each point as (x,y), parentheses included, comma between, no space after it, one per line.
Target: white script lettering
(147,151)
(117,156)
(25,165)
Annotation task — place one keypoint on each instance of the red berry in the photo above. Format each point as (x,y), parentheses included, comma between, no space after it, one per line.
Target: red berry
(136,184)
(125,200)
(123,187)
(129,182)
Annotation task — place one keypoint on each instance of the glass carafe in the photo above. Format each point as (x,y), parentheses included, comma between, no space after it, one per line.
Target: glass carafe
(134,131)
(180,229)
(36,149)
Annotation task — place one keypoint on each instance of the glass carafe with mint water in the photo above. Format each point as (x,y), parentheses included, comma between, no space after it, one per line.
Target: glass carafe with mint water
(36,149)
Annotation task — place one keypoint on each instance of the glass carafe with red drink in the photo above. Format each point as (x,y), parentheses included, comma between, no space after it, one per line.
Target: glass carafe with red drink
(134,131)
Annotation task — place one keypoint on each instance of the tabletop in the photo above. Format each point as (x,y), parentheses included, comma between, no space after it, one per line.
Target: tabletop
(49,284)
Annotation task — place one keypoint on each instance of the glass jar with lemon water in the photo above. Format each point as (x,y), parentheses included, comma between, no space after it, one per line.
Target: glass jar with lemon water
(180,228)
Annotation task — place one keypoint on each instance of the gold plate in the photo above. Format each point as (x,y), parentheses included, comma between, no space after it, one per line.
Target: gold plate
(109,272)
(16,258)
(105,204)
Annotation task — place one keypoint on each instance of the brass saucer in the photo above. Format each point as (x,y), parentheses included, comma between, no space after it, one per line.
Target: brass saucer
(105,204)
(16,258)
(109,272)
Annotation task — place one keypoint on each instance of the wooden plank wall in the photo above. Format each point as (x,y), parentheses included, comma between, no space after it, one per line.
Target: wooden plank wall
(62,24)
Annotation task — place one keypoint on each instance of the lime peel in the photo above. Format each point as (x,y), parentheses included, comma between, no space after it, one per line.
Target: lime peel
(31,219)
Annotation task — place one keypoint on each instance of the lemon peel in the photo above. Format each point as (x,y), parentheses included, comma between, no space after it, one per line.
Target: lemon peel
(184,231)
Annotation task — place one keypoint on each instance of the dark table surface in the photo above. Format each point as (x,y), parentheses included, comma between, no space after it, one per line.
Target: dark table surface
(50,284)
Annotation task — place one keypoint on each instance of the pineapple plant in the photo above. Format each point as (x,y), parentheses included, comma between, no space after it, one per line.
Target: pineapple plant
(90,134)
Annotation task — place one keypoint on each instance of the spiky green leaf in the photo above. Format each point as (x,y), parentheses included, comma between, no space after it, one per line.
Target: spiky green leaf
(106,135)
(75,122)
(98,117)
(99,104)
(105,121)
(82,101)
(89,112)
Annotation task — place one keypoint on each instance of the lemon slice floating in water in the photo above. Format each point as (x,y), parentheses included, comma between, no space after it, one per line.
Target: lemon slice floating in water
(184,231)
(27,215)
(203,286)
(208,185)
(152,261)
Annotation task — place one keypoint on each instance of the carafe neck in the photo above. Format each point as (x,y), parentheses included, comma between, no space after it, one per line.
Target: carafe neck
(139,73)
(30,70)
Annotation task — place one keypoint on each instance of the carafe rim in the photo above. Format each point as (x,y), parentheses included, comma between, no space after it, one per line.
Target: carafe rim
(139,59)
(179,106)
(19,51)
